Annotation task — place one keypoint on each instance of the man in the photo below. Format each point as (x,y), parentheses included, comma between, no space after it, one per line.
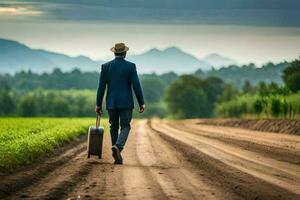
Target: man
(120,76)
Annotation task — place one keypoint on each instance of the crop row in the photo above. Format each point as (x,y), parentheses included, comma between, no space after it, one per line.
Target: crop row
(273,106)
(22,140)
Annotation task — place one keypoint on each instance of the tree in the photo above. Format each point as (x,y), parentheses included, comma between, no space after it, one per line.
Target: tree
(7,105)
(185,97)
(213,88)
(263,88)
(275,107)
(168,78)
(229,92)
(4,86)
(153,90)
(60,107)
(258,106)
(291,76)
(248,88)
(28,107)
(273,88)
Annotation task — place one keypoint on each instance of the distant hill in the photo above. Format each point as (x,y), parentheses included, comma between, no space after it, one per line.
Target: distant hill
(15,56)
(218,61)
(170,59)
(237,75)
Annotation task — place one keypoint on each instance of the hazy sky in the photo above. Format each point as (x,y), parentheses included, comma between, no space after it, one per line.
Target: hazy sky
(246,30)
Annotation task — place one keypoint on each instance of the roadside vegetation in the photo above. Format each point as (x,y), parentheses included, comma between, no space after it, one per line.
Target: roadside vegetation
(256,106)
(192,97)
(264,100)
(22,140)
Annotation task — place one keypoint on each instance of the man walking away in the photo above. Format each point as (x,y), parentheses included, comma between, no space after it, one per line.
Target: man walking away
(120,76)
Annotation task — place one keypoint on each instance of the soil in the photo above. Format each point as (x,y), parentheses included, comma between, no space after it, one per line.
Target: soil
(168,160)
(287,126)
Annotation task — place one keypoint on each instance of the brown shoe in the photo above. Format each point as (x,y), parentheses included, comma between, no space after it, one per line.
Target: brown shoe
(117,155)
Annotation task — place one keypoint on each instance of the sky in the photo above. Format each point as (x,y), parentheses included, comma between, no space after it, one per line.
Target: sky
(246,30)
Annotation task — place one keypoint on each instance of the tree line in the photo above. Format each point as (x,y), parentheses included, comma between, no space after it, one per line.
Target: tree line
(81,102)
(75,79)
(50,103)
(69,94)
(166,95)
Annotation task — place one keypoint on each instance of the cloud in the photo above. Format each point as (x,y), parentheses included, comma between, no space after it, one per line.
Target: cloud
(16,11)
(237,12)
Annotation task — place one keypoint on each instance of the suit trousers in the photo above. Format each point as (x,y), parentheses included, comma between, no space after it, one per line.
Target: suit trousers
(119,118)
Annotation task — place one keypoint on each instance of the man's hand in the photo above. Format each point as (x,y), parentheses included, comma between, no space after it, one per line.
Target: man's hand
(98,110)
(142,108)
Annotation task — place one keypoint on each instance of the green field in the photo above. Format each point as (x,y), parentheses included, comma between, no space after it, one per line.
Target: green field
(256,106)
(22,140)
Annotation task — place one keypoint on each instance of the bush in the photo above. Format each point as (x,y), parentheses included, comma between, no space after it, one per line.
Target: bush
(185,98)
(273,105)
(258,106)
(291,76)
(7,104)
(28,107)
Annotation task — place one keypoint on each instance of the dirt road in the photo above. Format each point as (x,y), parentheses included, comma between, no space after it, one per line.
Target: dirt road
(168,160)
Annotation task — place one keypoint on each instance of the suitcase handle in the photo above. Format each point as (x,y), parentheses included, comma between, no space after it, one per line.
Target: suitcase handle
(98,120)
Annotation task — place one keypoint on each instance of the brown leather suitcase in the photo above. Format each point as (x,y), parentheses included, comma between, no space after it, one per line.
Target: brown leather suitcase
(95,139)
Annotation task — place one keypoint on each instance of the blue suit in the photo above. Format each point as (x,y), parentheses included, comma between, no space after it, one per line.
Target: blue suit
(120,76)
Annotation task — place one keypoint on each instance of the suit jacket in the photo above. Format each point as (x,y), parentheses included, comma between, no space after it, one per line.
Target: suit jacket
(120,76)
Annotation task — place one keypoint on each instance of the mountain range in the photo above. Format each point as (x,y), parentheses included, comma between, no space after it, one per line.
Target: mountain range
(218,61)
(15,56)
(170,59)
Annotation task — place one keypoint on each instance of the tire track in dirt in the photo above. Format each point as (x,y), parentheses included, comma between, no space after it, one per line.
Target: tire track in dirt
(283,141)
(58,182)
(138,181)
(128,181)
(178,179)
(282,169)
(242,179)
(151,170)
(104,180)
(232,137)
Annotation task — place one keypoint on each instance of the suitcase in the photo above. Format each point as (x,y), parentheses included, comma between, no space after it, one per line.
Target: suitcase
(95,139)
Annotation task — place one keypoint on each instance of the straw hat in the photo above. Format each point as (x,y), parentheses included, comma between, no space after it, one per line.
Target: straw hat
(119,48)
